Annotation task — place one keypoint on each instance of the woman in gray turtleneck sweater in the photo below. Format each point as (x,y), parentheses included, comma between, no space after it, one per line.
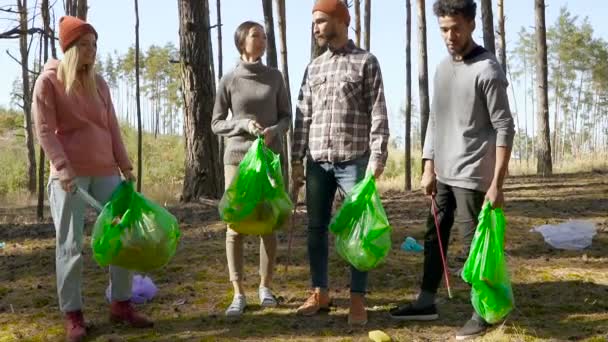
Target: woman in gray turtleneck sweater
(256,96)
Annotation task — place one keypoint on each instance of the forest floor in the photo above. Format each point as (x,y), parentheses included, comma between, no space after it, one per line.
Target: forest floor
(560,295)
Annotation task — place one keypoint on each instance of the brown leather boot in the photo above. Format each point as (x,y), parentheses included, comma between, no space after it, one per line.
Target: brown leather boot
(125,312)
(357,314)
(75,330)
(318,301)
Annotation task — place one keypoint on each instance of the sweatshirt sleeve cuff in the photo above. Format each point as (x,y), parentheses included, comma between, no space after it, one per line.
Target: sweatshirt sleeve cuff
(504,140)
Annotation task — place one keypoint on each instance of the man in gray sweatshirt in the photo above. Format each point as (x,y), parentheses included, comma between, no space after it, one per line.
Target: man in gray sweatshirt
(466,150)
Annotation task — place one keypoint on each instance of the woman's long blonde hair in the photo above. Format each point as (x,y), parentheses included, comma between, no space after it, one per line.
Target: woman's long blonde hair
(67,72)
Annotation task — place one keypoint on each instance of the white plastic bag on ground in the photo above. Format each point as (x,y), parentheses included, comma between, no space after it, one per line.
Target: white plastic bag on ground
(571,235)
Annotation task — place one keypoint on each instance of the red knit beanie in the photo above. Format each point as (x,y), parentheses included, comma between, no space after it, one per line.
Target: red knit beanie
(71,29)
(333,8)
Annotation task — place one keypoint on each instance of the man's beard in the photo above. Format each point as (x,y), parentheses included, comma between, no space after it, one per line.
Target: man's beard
(323,40)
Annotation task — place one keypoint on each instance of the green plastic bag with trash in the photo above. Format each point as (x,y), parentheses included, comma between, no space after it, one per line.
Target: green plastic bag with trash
(486,267)
(363,234)
(256,202)
(133,232)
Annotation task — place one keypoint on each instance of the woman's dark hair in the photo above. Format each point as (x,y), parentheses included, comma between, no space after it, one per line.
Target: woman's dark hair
(241,34)
(466,8)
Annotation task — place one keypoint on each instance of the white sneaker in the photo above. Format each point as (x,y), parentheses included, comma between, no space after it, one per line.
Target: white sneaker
(267,299)
(236,308)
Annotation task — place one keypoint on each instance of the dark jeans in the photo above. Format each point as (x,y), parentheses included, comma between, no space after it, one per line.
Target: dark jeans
(322,180)
(453,205)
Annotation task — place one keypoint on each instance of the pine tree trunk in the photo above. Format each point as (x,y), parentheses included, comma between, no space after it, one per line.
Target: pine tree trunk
(358,23)
(271,50)
(220,56)
(138,101)
(367,23)
(544,165)
(285,69)
(502,42)
(44,11)
(408,95)
(203,172)
(82,9)
(423,74)
(27,96)
(488,25)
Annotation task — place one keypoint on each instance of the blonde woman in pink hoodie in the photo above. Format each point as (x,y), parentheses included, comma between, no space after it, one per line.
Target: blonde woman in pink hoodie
(78,130)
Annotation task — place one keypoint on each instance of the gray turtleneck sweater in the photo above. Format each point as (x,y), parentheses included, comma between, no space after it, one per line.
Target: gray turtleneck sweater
(252,91)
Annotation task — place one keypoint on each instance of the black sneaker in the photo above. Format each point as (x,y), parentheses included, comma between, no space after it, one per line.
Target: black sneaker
(473,328)
(411,313)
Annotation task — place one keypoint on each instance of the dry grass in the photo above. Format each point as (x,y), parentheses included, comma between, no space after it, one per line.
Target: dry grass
(560,295)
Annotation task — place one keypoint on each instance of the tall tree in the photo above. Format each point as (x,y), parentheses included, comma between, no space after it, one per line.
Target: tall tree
(138,100)
(220,53)
(285,69)
(203,174)
(220,61)
(367,22)
(271,50)
(502,43)
(408,95)
(423,73)
(45,12)
(358,22)
(544,165)
(77,8)
(82,9)
(26,95)
(488,25)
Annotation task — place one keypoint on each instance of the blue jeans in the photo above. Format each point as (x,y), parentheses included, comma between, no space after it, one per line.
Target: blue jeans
(322,180)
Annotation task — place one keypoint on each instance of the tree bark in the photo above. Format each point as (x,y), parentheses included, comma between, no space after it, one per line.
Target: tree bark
(271,50)
(368,19)
(220,55)
(423,74)
(82,9)
(408,95)
(138,101)
(220,62)
(203,174)
(358,23)
(45,12)
(285,70)
(27,96)
(544,165)
(502,42)
(488,25)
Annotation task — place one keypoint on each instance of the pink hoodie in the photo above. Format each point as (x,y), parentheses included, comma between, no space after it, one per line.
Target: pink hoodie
(79,134)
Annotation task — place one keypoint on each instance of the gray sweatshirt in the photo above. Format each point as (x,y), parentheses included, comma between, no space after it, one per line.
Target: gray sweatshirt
(469,117)
(252,91)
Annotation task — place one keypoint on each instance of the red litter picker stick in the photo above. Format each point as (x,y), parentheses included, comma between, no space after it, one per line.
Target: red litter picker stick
(445,266)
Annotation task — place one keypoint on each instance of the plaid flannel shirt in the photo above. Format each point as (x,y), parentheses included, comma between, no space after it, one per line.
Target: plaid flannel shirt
(341,112)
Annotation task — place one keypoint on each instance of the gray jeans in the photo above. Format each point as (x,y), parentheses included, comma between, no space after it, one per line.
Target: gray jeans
(68,212)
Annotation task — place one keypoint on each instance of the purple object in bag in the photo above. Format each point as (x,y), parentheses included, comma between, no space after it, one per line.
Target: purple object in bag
(143,290)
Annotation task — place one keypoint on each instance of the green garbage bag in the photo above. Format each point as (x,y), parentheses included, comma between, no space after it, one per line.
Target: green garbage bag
(363,234)
(486,267)
(133,232)
(256,202)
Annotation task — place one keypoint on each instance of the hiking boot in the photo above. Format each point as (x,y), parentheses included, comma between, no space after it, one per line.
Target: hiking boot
(124,312)
(75,330)
(318,301)
(474,327)
(357,314)
(412,313)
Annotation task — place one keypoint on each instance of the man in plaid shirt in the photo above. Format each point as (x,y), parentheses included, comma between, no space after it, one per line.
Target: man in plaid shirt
(341,128)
